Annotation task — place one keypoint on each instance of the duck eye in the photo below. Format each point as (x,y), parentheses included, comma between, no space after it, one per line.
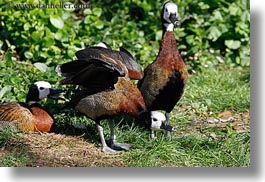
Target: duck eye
(155,119)
(41,88)
(166,10)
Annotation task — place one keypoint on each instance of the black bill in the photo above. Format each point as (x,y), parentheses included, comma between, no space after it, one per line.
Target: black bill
(54,93)
(168,127)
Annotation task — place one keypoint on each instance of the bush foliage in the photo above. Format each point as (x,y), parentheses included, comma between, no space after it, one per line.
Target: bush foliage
(34,40)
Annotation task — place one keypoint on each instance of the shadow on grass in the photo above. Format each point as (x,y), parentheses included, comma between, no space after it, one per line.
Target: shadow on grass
(72,123)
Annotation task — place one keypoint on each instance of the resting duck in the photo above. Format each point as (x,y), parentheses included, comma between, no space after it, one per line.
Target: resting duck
(30,116)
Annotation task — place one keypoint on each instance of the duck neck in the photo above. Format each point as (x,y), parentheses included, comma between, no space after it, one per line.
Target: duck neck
(32,96)
(168,42)
(167,27)
(145,118)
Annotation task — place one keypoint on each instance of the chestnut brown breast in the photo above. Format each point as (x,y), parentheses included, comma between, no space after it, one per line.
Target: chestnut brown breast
(42,119)
(164,79)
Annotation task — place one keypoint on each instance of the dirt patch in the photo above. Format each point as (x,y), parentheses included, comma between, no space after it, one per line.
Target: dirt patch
(49,149)
(239,123)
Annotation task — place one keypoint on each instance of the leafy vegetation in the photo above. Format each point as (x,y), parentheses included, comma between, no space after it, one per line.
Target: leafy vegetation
(213,39)
(35,40)
(211,32)
(217,32)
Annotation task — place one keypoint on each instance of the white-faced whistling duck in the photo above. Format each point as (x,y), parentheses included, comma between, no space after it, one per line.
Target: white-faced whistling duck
(30,115)
(106,90)
(165,78)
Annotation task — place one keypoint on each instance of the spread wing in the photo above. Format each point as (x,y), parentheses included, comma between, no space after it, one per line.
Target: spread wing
(94,74)
(122,57)
(134,69)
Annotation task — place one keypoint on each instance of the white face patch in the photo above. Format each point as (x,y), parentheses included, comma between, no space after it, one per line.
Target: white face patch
(157,119)
(43,88)
(170,8)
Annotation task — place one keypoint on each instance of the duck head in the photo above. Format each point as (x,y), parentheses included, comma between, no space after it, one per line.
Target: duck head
(169,15)
(40,90)
(155,120)
(158,120)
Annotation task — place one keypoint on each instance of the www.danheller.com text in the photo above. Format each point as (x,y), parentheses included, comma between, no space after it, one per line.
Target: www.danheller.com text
(63,5)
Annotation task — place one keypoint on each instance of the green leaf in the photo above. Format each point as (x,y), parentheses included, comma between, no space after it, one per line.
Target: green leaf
(159,35)
(190,39)
(71,53)
(48,41)
(232,44)
(58,35)
(97,11)
(8,57)
(37,35)
(56,49)
(66,15)
(57,21)
(115,19)
(234,9)
(98,24)
(215,33)
(87,11)
(26,26)
(28,54)
(41,66)
(87,20)
(217,15)
(4,90)
(203,5)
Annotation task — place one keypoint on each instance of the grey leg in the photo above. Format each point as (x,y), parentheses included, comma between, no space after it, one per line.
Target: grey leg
(168,134)
(112,132)
(105,148)
(113,143)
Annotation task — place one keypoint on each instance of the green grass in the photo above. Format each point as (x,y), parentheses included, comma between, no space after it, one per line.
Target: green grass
(12,155)
(208,93)
(201,145)
(218,89)
(193,151)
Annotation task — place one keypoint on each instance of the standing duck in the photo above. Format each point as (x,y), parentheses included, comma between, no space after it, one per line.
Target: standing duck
(106,90)
(29,116)
(164,79)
